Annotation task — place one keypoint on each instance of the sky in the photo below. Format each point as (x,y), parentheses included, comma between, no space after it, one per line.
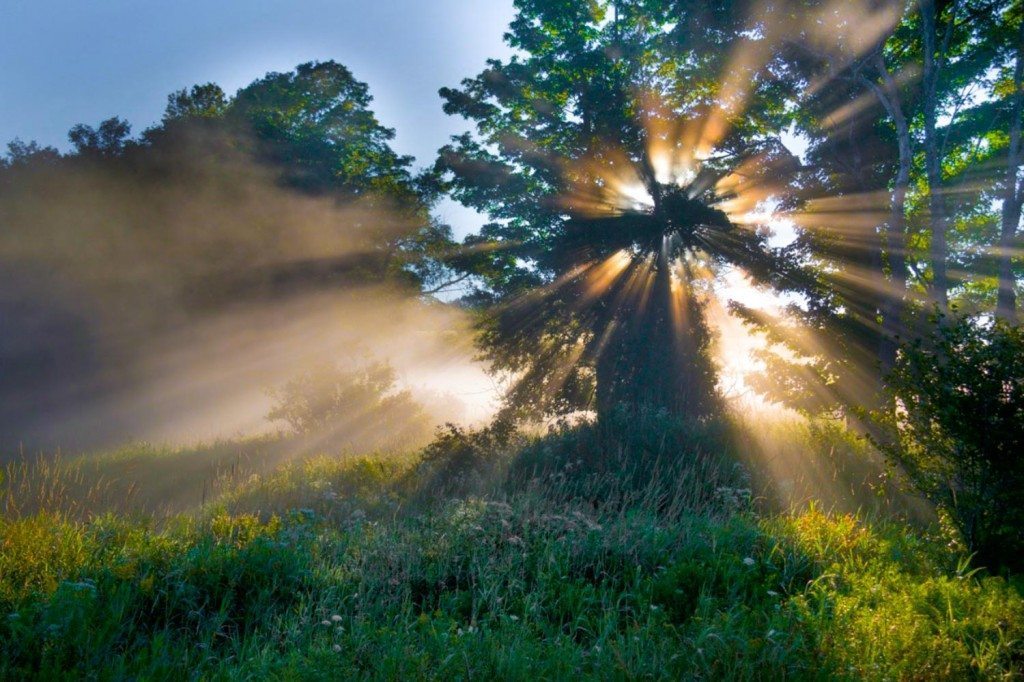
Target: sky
(81,61)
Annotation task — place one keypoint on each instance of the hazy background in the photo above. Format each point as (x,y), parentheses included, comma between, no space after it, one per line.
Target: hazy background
(103,342)
(71,61)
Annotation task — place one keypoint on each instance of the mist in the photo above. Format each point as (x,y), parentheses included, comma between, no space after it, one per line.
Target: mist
(162,296)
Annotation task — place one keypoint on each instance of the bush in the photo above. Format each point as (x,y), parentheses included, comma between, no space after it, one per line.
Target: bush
(956,425)
(460,462)
(359,408)
(646,457)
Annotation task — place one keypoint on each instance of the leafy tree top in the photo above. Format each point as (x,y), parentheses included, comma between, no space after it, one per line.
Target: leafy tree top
(615,141)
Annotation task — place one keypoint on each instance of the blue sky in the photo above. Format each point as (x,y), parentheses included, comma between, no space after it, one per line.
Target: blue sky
(80,61)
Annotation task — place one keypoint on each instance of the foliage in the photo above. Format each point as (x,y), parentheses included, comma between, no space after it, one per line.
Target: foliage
(908,130)
(957,428)
(594,267)
(360,408)
(316,124)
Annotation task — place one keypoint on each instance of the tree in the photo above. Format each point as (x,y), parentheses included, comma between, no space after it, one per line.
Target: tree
(106,140)
(31,153)
(1013,189)
(361,407)
(316,123)
(896,216)
(289,189)
(315,129)
(611,155)
(957,429)
(201,101)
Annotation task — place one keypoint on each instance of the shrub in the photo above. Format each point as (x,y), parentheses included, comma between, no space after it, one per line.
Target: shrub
(957,427)
(460,462)
(642,457)
(360,408)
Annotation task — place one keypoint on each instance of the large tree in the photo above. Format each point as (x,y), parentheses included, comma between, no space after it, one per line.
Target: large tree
(616,154)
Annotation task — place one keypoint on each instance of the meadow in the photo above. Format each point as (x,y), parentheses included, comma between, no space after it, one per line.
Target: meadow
(473,560)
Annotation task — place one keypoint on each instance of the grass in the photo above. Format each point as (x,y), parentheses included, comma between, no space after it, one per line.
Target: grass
(328,568)
(138,478)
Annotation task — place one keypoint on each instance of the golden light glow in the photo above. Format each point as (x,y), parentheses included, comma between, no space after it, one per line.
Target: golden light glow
(600,278)
(605,184)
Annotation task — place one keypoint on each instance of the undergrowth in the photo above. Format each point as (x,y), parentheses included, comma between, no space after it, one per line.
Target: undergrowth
(535,563)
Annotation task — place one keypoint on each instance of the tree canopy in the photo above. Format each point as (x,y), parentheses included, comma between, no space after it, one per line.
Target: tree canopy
(617,156)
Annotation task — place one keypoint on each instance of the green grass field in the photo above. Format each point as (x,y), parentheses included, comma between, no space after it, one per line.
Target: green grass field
(337,567)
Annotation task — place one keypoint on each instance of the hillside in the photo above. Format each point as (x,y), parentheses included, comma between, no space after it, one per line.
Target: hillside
(341,567)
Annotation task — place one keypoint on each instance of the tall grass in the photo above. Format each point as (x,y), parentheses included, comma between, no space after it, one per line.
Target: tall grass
(518,588)
(139,478)
(533,565)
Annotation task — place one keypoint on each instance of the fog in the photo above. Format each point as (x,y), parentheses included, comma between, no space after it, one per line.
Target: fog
(160,300)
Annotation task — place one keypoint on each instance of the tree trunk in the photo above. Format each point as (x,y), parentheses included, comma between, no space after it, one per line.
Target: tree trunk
(895,231)
(933,57)
(1006,305)
(656,355)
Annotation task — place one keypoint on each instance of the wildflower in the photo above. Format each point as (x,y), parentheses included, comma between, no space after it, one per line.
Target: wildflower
(773,593)
(748,561)
(336,618)
(325,623)
(336,648)
(513,618)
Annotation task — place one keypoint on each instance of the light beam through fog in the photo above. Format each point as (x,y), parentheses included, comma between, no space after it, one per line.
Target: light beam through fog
(164,305)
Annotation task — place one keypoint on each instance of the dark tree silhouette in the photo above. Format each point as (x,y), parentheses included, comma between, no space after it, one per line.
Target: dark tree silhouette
(608,156)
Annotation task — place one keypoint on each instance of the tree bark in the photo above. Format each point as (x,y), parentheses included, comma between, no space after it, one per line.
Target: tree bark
(1006,303)
(895,231)
(934,56)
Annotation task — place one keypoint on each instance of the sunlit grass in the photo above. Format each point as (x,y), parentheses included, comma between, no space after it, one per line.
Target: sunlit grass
(338,567)
(139,478)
